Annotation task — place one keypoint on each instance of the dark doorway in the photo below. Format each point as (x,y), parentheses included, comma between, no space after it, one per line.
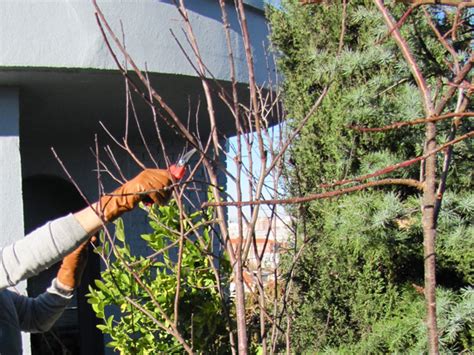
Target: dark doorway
(46,198)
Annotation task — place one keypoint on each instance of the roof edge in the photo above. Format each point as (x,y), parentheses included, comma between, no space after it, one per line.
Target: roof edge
(256,4)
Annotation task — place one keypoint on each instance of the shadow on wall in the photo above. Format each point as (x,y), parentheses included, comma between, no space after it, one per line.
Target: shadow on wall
(46,198)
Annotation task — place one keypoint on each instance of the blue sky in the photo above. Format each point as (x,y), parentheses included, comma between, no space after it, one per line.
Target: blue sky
(231,187)
(273,2)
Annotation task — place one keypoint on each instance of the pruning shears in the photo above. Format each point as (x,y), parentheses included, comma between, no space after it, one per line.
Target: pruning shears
(179,169)
(176,170)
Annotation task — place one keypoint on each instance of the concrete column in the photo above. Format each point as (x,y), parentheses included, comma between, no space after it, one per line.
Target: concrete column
(11,201)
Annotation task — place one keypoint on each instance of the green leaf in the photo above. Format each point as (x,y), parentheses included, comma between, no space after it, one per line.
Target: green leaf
(119,229)
(100,285)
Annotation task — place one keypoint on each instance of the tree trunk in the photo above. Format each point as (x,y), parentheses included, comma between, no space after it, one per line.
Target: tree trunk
(429,238)
(240,307)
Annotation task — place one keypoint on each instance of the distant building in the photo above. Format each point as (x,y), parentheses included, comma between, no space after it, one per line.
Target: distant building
(57,81)
(271,238)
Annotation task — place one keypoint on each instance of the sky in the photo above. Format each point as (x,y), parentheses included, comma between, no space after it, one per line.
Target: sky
(273,2)
(231,186)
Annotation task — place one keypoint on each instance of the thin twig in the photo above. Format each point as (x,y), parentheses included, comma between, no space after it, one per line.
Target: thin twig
(461,105)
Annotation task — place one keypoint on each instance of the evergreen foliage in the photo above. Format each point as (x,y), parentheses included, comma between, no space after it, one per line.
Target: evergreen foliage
(356,283)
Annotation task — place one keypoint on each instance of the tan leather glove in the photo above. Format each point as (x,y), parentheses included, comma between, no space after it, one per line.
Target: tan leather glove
(126,197)
(72,267)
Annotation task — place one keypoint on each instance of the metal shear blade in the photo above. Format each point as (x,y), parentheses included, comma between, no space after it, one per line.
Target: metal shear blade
(184,159)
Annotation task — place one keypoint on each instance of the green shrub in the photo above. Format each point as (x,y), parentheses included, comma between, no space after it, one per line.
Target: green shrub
(201,320)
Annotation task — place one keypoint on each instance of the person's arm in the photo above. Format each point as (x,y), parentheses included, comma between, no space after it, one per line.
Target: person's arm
(39,314)
(150,184)
(40,249)
(50,243)
(89,219)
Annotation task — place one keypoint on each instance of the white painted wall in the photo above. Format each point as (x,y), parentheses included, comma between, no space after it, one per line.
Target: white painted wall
(11,206)
(64,34)
(11,202)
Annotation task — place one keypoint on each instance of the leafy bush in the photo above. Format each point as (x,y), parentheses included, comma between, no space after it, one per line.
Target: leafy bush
(137,330)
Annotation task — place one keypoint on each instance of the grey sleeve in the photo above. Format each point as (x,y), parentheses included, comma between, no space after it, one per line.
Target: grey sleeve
(39,314)
(39,250)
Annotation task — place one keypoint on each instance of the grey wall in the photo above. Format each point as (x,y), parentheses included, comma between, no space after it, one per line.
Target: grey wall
(11,216)
(11,203)
(64,34)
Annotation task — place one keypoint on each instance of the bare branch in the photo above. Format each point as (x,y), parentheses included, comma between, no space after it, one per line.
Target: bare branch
(406,182)
(461,105)
(297,131)
(417,121)
(175,119)
(311,197)
(403,164)
(456,81)
(409,58)
(452,3)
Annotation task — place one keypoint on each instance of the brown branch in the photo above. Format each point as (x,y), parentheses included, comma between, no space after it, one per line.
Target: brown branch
(454,3)
(255,114)
(417,121)
(398,25)
(403,164)
(406,182)
(139,127)
(298,129)
(429,178)
(442,40)
(462,104)
(456,81)
(409,58)
(104,168)
(202,70)
(124,146)
(102,22)
(456,22)
(311,197)
(343,27)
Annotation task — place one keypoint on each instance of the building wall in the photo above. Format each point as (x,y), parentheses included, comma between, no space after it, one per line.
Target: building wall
(64,34)
(11,216)
(52,53)
(11,203)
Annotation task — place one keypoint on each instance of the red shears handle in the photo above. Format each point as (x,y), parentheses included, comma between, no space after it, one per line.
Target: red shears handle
(177,171)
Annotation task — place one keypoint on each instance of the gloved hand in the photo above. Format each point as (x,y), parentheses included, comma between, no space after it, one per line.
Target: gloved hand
(72,267)
(126,197)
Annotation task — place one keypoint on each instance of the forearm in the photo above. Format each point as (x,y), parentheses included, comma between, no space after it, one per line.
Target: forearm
(39,314)
(41,249)
(89,219)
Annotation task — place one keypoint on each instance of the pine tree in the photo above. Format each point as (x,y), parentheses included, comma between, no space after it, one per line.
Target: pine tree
(358,283)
